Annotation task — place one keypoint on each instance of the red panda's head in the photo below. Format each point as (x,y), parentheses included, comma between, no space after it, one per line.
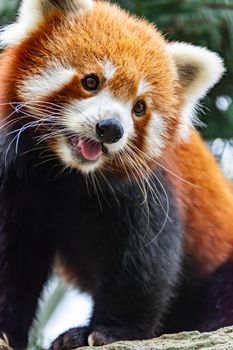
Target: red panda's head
(104,89)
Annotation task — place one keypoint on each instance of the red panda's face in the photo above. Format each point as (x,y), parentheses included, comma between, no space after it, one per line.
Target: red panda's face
(103,87)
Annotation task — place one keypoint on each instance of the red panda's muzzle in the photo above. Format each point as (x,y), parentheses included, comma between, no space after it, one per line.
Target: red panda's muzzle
(89,149)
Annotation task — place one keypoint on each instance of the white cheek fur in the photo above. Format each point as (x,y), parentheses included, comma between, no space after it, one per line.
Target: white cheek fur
(155,141)
(43,84)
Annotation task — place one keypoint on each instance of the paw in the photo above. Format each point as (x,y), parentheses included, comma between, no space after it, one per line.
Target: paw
(101,336)
(72,339)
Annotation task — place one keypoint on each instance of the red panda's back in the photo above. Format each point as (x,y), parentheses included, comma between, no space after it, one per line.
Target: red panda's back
(206,201)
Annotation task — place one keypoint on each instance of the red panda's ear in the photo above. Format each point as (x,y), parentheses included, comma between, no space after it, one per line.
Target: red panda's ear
(198,70)
(32,13)
(72,5)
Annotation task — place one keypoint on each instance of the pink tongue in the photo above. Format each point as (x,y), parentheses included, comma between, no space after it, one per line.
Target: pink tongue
(90,150)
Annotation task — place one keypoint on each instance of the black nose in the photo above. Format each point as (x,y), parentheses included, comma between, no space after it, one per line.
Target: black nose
(109,131)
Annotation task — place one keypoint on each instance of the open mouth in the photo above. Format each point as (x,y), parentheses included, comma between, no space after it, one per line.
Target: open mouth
(88,149)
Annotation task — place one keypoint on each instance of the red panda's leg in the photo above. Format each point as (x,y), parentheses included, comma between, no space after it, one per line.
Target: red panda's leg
(132,294)
(217,303)
(24,268)
(129,303)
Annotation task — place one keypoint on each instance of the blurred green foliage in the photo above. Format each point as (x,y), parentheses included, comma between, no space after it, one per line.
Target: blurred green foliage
(7,10)
(202,22)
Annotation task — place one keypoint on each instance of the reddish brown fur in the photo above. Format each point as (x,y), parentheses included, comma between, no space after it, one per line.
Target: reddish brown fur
(133,65)
(207,202)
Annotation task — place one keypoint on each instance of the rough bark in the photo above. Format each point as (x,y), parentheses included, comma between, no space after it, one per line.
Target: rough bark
(219,340)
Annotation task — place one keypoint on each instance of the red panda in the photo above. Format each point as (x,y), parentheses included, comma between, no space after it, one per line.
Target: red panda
(101,167)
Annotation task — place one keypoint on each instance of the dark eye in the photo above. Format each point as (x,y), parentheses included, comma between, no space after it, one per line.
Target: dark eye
(139,109)
(91,82)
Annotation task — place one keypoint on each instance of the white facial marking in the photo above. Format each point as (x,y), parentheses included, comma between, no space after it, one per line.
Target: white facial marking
(187,121)
(155,135)
(47,82)
(143,88)
(108,69)
(83,4)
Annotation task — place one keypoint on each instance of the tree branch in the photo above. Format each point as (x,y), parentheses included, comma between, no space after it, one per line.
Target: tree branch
(220,6)
(221,339)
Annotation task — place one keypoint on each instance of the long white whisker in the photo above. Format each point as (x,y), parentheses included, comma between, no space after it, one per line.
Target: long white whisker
(165,168)
(93,177)
(144,167)
(109,185)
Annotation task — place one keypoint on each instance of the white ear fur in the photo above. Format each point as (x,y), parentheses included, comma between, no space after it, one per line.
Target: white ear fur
(73,5)
(198,70)
(31,14)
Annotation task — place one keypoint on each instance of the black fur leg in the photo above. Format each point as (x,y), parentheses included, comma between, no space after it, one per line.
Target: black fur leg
(22,276)
(19,294)
(130,274)
(26,253)
(72,339)
(217,303)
